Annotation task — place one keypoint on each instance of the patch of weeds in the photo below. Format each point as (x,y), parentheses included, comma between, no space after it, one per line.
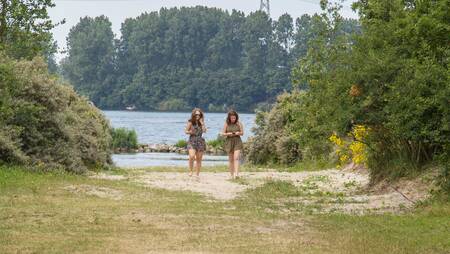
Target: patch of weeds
(310,165)
(265,198)
(240,180)
(276,189)
(350,184)
(120,171)
(327,194)
(310,183)
(309,186)
(318,178)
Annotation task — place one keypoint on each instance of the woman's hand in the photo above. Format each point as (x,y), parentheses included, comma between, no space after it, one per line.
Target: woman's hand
(190,132)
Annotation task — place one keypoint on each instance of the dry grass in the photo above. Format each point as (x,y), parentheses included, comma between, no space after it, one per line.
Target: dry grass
(61,213)
(65,214)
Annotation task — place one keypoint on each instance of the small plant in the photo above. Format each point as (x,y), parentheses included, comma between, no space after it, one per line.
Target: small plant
(216,143)
(181,143)
(124,138)
(350,184)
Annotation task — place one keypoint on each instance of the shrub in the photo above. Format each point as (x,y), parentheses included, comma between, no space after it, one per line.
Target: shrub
(181,143)
(273,141)
(217,143)
(353,148)
(45,122)
(124,138)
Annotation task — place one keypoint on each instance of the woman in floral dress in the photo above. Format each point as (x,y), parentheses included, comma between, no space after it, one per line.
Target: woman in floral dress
(196,144)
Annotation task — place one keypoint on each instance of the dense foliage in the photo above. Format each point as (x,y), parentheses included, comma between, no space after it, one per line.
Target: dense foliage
(179,58)
(25,29)
(391,80)
(43,122)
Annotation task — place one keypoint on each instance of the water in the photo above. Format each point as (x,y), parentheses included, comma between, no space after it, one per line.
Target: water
(139,160)
(168,128)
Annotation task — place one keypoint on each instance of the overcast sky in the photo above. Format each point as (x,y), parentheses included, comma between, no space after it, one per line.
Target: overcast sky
(118,10)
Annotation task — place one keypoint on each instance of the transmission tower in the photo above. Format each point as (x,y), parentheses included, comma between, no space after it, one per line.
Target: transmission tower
(265,6)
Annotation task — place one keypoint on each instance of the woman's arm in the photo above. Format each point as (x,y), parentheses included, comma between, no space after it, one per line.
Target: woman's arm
(187,130)
(204,129)
(224,133)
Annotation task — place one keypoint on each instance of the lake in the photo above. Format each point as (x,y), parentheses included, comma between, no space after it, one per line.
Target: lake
(168,128)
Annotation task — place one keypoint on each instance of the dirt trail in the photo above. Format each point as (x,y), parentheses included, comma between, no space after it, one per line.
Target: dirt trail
(325,191)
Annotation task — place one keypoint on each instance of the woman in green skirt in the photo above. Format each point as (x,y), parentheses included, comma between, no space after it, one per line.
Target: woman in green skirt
(233,130)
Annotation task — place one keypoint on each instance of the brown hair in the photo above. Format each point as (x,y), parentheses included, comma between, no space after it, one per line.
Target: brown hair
(232,113)
(193,119)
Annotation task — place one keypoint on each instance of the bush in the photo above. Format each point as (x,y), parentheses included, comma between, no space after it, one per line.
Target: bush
(217,143)
(181,143)
(273,141)
(124,138)
(45,122)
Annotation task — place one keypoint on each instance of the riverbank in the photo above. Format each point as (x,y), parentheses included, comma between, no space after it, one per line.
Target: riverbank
(142,211)
(166,148)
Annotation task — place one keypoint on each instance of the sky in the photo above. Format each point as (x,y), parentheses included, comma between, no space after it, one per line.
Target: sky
(119,10)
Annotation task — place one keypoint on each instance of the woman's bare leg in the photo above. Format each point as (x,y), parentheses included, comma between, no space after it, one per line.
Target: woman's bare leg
(191,161)
(198,158)
(236,156)
(231,164)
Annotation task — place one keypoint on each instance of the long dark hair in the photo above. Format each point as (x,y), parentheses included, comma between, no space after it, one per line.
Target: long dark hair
(232,113)
(193,119)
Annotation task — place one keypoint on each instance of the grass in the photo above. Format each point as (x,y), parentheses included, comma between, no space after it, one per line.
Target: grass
(305,165)
(427,230)
(39,215)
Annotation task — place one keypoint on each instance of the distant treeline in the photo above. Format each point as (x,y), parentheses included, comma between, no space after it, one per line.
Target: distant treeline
(179,58)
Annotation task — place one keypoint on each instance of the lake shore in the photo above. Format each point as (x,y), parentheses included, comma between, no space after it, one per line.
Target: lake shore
(166,148)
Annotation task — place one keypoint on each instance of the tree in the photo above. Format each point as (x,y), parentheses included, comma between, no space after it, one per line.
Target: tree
(25,28)
(183,58)
(284,31)
(90,62)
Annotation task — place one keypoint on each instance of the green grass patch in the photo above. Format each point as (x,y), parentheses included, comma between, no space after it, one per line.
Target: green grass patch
(426,230)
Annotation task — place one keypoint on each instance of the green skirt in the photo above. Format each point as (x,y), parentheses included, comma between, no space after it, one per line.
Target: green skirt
(233,144)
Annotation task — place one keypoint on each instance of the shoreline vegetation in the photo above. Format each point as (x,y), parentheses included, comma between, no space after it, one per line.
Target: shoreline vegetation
(125,141)
(167,148)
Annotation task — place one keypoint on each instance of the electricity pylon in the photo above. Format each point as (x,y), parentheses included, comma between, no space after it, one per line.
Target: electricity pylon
(265,6)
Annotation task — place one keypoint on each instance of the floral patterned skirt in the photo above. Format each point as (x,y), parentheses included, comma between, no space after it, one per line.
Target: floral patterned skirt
(197,143)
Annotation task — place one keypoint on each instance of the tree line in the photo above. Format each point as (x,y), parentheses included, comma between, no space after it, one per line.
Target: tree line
(179,58)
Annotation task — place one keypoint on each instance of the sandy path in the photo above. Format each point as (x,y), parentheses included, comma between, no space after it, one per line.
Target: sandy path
(327,190)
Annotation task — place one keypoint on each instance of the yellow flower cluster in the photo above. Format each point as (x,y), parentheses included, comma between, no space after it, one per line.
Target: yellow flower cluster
(360,132)
(336,139)
(353,149)
(341,149)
